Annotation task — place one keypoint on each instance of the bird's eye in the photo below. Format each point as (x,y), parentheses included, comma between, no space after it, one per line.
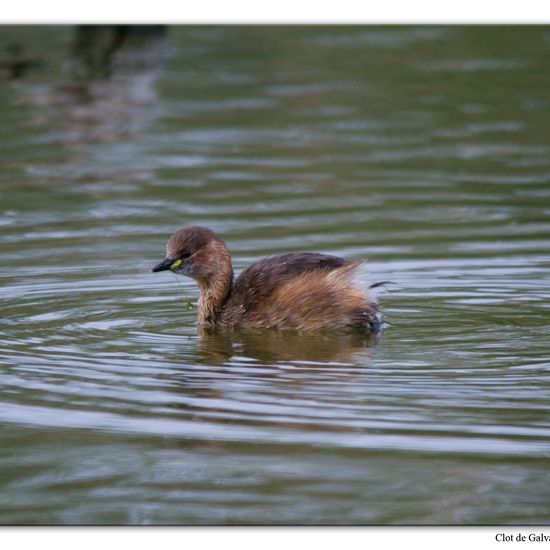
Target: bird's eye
(185,255)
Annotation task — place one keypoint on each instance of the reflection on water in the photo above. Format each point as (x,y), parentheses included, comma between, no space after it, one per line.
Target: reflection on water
(96,111)
(217,346)
(421,149)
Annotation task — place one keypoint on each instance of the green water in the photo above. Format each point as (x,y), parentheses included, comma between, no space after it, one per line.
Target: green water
(425,150)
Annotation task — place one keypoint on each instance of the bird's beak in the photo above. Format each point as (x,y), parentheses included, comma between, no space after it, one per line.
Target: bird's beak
(162,266)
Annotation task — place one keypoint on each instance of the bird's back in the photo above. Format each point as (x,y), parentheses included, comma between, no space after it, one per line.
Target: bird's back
(301,291)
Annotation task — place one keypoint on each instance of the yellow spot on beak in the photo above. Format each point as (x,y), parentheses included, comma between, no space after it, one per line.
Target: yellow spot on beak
(176,264)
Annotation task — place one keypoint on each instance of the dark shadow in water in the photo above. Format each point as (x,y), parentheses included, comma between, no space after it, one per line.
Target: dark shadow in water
(108,88)
(15,63)
(216,347)
(95,48)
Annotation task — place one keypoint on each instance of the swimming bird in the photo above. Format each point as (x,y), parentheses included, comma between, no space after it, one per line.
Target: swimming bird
(296,291)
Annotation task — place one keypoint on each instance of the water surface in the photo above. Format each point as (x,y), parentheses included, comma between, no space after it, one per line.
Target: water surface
(422,149)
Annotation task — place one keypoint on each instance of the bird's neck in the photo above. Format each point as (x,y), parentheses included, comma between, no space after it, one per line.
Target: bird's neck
(214,292)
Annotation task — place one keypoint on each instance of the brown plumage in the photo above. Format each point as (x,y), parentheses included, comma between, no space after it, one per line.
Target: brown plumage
(298,291)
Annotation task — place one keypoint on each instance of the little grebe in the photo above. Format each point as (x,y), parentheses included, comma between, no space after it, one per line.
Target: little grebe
(297,291)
